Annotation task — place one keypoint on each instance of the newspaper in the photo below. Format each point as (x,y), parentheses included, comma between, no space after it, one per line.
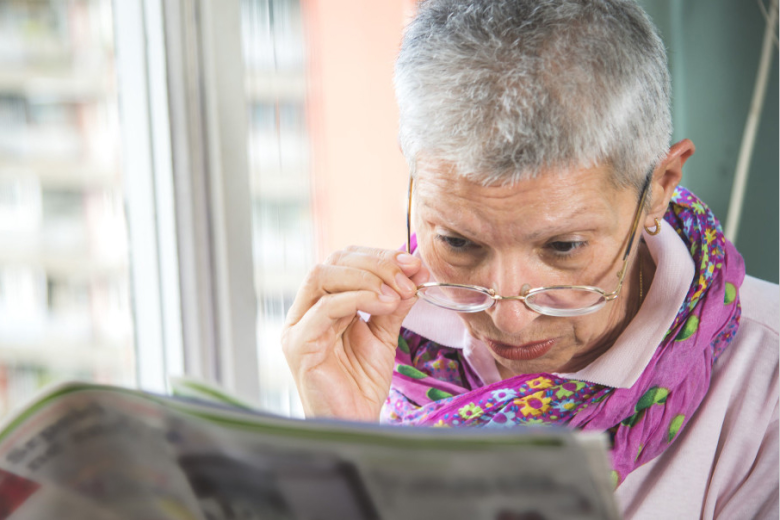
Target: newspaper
(82,451)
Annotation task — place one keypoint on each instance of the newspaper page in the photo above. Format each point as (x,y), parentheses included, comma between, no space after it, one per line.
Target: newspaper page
(84,451)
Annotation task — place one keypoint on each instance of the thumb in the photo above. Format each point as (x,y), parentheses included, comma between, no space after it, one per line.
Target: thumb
(387,326)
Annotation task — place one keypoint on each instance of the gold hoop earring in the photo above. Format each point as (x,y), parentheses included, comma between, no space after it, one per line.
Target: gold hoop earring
(656,230)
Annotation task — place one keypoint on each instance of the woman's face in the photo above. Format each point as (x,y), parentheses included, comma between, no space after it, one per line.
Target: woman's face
(562,228)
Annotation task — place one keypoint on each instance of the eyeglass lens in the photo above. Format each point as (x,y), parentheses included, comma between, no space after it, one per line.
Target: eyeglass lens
(456,298)
(551,301)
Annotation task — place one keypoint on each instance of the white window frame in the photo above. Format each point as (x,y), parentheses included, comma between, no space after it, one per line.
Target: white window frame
(181,83)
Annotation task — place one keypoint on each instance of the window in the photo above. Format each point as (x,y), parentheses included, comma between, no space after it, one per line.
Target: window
(64,273)
(280,180)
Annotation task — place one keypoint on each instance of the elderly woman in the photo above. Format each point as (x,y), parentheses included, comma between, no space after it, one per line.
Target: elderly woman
(558,273)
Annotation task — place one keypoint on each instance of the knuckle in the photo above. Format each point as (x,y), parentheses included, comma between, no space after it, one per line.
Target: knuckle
(314,276)
(317,272)
(327,307)
(387,259)
(387,255)
(334,258)
(385,265)
(368,279)
(322,303)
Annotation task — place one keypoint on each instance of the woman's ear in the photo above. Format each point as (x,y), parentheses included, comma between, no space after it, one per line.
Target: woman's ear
(666,177)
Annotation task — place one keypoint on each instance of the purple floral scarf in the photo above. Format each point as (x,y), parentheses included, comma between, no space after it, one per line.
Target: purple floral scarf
(434,385)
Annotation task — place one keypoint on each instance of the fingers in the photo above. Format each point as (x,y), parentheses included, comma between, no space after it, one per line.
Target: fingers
(420,277)
(332,313)
(408,263)
(384,273)
(328,347)
(386,326)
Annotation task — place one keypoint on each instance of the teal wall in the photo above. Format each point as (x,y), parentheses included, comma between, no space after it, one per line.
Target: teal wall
(714,47)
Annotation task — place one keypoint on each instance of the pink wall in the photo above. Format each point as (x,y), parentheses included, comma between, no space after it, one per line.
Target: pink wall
(360,176)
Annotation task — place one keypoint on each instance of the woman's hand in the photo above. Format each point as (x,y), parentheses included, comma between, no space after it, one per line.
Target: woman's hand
(342,365)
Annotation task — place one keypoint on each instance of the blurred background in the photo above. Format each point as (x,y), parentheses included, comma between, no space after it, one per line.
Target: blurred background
(171,169)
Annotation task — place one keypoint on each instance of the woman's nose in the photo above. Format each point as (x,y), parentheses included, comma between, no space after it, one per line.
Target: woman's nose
(511,316)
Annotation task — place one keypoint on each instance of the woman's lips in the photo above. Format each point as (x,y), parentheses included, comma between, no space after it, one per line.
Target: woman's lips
(521,352)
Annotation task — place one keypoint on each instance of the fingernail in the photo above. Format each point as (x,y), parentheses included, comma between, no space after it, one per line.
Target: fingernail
(406,259)
(405,283)
(388,294)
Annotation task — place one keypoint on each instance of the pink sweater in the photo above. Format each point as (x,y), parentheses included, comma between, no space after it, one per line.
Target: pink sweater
(725,463)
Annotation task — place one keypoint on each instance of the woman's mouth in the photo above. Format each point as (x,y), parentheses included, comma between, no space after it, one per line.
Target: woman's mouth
(521,352)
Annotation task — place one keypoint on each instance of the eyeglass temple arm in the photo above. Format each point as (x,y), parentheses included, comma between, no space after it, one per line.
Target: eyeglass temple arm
(409,216)
(638,214)
(634,227)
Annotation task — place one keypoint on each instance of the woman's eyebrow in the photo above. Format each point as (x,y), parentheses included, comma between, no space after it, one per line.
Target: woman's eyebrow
(562,230)
(530,237)
(455,227)
(578,218)
(456,230)
(573,223)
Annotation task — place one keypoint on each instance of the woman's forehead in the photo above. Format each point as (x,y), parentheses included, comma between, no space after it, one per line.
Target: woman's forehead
(582,200)
(550,192)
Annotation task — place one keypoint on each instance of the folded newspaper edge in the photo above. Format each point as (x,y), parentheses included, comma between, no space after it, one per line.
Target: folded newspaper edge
(93,451)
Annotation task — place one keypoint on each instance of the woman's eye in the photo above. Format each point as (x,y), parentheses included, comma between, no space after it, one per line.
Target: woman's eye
(457,243)
(566,247)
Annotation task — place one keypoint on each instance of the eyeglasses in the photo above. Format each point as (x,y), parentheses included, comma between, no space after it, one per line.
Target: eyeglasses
(552,300)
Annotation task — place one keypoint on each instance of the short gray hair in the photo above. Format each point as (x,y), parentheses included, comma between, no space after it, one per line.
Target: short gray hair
(505,89)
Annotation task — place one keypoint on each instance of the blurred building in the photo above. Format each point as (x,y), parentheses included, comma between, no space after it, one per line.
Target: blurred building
(64,292)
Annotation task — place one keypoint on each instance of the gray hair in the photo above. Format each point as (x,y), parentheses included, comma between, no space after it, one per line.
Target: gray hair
(504,89)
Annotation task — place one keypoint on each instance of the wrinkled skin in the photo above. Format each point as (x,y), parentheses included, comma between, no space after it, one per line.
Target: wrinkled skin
(563,227)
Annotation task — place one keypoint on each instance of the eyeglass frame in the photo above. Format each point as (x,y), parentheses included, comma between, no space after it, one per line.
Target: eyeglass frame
(530,292)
